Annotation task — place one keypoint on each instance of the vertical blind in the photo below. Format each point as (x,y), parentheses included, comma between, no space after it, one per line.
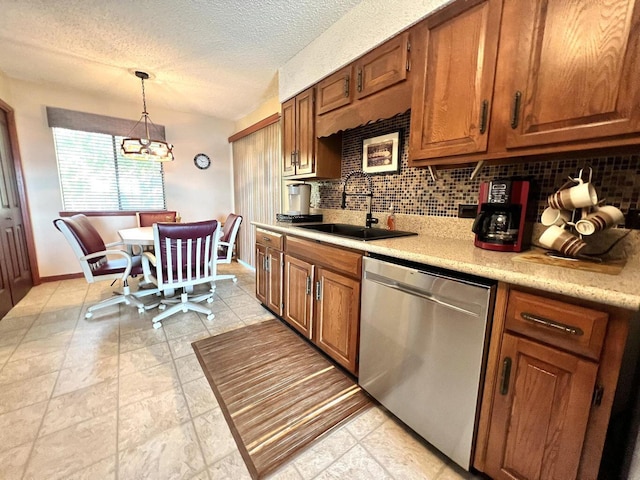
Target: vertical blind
(256,174)
(94,176)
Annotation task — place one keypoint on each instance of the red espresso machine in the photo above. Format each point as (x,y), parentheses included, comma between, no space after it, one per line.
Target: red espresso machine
(504,220)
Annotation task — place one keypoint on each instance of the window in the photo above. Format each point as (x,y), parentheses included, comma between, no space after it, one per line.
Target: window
(94,176)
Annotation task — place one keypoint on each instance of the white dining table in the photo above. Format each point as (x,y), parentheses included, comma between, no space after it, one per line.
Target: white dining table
(136,236)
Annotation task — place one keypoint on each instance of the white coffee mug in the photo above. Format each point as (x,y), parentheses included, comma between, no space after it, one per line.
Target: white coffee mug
(578,196)
(561,240)
(604,217)
(554,216)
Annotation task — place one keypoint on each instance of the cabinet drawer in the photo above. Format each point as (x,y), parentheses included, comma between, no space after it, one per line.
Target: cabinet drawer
(571,327)
(269,239)
(337,259)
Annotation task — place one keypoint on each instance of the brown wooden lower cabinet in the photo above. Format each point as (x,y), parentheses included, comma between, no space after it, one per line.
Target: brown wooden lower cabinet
(321,287)
(551,378)
(269,264)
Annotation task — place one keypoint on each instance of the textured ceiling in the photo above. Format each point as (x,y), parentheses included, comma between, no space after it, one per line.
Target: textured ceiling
(217,58)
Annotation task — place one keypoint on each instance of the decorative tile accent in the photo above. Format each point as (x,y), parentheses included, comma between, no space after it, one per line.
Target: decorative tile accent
(412,191)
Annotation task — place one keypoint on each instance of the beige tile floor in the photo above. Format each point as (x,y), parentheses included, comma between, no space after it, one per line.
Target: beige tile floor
(112,398)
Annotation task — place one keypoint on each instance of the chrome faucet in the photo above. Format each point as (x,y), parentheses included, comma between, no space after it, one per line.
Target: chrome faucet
(370,219)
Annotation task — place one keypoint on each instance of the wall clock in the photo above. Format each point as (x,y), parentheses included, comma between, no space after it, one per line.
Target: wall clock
(202,161)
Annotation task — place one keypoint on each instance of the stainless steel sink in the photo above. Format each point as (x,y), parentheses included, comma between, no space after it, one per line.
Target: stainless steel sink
(356,231)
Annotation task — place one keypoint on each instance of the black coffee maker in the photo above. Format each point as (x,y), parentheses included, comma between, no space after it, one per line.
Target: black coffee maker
(502,213)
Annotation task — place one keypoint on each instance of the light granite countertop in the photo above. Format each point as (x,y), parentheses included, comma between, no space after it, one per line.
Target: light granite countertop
(459,254)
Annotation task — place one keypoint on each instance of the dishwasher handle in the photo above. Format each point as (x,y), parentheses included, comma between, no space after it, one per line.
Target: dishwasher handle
(386,282)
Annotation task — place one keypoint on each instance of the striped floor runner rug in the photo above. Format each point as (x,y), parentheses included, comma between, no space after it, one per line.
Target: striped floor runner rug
(277,393)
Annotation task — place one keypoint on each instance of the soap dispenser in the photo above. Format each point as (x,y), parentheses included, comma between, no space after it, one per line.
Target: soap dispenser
(391,219)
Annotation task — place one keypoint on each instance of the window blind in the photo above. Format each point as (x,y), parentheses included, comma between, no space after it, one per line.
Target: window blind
(94,176)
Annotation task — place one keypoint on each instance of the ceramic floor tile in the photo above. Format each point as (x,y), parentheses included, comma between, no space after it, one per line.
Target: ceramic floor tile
(357,464)
(188,368)
(13,462)
(323,453)
(147,383)
(68,451)
(141,420)
(171,454)
(45,330)
(141,338)
(12,337)
(453,472)
(55,317)
(287,472)
(224,322)
(103,470)
(401,453)
(24,311)
(80,405)
(367,422)
(241,301)
(20,426)
(31,367)
(16,323)
(183,324)
(231,467)
(248,312)
(51,344)
(144,358)
(26,392)
(80,354)
(215,436)
(200,397)
(181,346)
(203,475)
(81,376)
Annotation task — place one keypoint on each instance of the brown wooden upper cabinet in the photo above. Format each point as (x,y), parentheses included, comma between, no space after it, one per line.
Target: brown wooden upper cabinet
(455,59)
(562,79)
(573,70)
(304,155)
(298,134)
(374,86)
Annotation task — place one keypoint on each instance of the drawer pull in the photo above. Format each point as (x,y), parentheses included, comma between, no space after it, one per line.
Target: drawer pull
(506,373)
(515,112)
(266,239)
(484,108)
(552,324)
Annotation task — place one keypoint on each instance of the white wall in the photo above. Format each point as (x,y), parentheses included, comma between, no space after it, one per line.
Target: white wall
(196,194)
(268,108)
(4,89)
(365,26)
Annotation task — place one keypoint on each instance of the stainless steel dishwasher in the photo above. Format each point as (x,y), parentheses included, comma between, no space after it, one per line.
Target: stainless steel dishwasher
(423,343)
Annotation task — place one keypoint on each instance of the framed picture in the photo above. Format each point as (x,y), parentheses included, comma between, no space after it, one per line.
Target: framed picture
(380,154)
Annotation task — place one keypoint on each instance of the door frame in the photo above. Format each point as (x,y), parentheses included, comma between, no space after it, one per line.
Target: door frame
(22,193)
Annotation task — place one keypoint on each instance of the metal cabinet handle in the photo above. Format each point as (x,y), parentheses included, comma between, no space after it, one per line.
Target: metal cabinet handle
(504,378)
(346,86)
(318,290)
(484,109)
(308,289)
(547,322)
(515,113)
(266,239)
(359,80)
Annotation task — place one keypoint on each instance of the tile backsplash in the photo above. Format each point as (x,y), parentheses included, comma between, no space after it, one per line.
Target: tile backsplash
(413,191)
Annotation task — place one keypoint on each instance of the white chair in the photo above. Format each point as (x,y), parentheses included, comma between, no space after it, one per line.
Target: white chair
(184,257)
(92,253)
(227,242)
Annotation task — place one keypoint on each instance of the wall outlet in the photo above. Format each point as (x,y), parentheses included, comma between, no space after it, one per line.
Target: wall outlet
(632,219)
(467,211)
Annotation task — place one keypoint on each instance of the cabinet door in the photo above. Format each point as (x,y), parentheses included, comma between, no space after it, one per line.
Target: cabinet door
(298,276)
(288,137)
(455,58)
(540,412)
(337,317)
(274,283)
(261,273)
(383,67)
(305,149)
(334,91)
(575,67)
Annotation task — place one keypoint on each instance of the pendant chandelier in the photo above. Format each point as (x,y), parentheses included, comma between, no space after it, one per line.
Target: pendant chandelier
(146,148)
